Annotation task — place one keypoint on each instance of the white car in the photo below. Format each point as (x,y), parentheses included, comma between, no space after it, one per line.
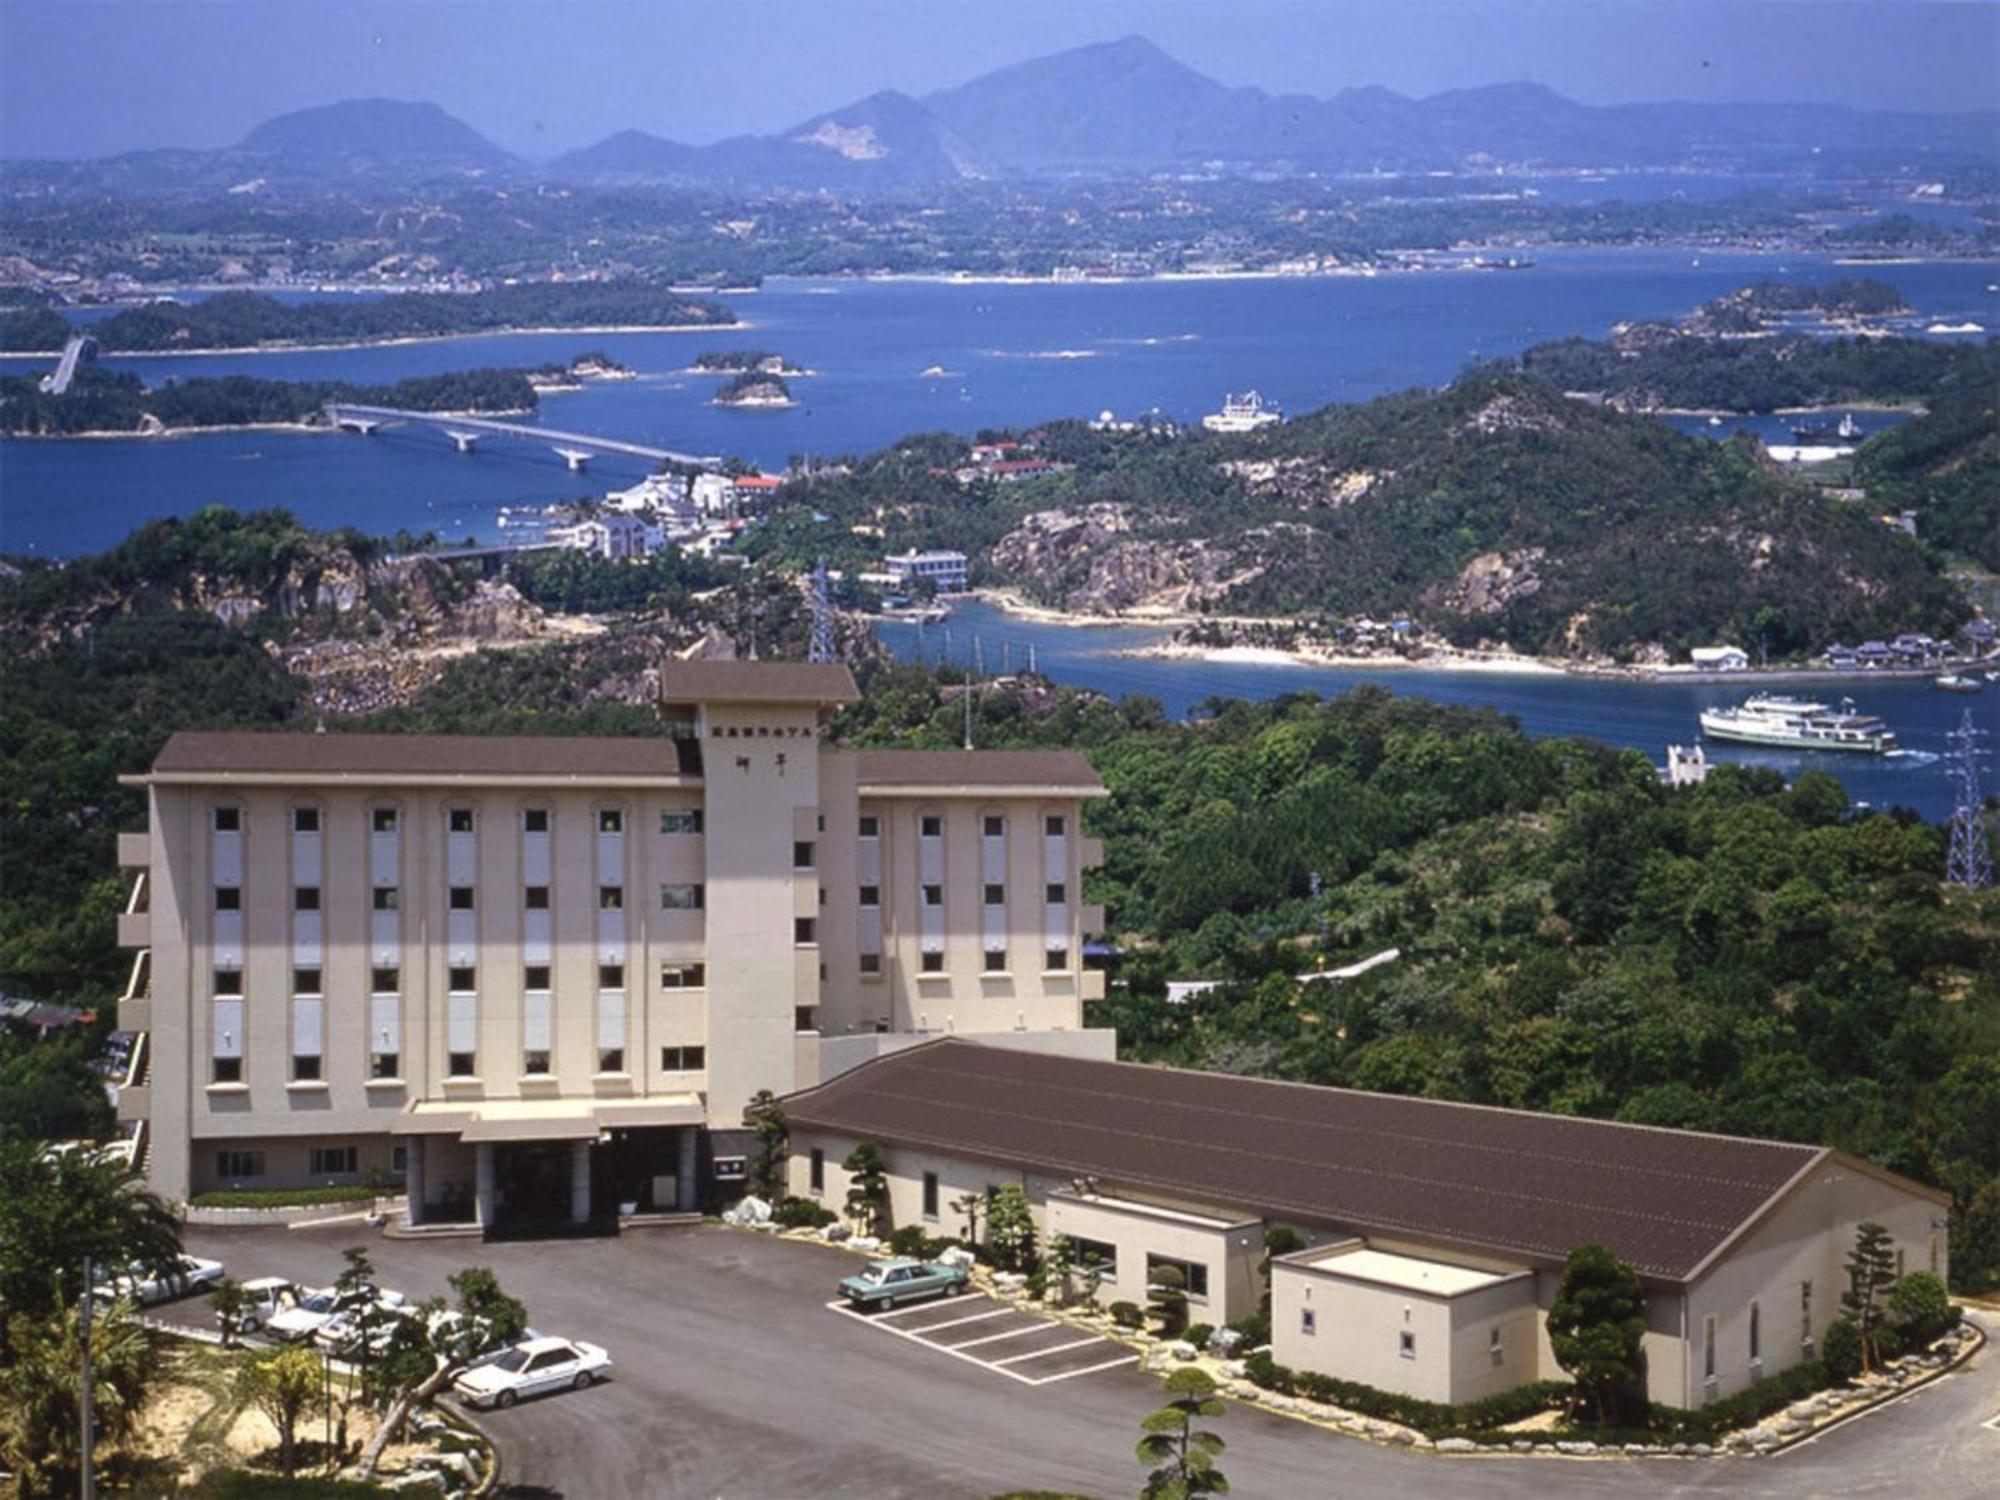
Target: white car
(529,1369)
(144,1287)
(313,1310)
(341,1333)
(264,1298)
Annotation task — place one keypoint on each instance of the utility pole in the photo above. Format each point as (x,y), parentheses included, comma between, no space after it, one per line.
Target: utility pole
(823,648)
(1969,864)
(89,1416)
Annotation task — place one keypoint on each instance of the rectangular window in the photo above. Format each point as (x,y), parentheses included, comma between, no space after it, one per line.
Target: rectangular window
(387,898)
(805,1018)
(931,1196)
(995,960)
(1054,825)
(1055,894)
(871,895)
(805,930)
(461,898)
(1055,959)
(610,820)
(1805,1312)
(1756,1334)
(305,1069)
(384,981)
(1308,1322)
(994,826)
(870,827)
(1195,1273)
(460,1065)
(228,981)
(227,1070)
(385,1065)
(610,1059)
(535,820)
(1708,1348)
(683,976)
(934,895)
(306,982)
(803,853)
(536,898)
(335,1161)
(1406,1344)
(681,820)
(683,1059)
(383,820)
(932,826)
(996,895)
(305,898)
(611,976)
(459,820)
(399,1159)
(305,820)
(871,963)
(228,898)
(535,1064)
(611,898)
(681,897)
(816,1181)
(933,963)
(233,1164)
(535,977)
(1099,1253)
(228,819)
(464,979)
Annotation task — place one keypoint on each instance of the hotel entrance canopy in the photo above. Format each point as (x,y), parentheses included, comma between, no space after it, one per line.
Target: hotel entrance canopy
(504,1120)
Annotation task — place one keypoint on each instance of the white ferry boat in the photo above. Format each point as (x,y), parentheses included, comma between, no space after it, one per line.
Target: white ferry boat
(1799,724)
(1244,413)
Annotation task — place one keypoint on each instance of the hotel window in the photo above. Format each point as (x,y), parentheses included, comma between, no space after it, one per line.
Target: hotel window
(535,820)
(1193,1272)
(681,820)
(1055,959)
(535,1064)
(610,1059)
(1756,1334)
(1308,1322)
(384,819)
(464,979)
(305,898)
(680,897)
(994,826)
(228,898)
(610,820)
(459,820)
(461,898)
(1805,1312)
(683,976)
(994,960)
(384,981)
(933,963)
(816,1178)
(802,854)
(335,1161)
(228,819)
(1055,895)
(805,930)
(306,982)
(305,820)
(805,1018)
(1406,1344)
(683,1059)
(934,895)
(871,963)
(387,897)
(227,1070)
(1099,1253)
(996,895)
(931,1196)
(870,827)
(1055,825)
(871,895)
(611,976)
(234,1164)
(384,1064)
(536,898)
(228,981)
(931,826)
(460,1065)
(611,898)
(1708,1349)
(535,977)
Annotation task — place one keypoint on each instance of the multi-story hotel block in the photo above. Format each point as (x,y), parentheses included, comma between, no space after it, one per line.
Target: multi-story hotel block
(539,978)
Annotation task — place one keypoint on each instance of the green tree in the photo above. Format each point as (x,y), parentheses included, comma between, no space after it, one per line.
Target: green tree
(230,1302)
(1597,1323)
(867,1189)
(766,1118)
(1059,1267)
(1167,1299)
(1840,1350)
(1010,1227)
(972,1205)
(1918,1308)
(1181,1455)
(1871,1272)
(436,1343)
(39,1436)
(282,1384)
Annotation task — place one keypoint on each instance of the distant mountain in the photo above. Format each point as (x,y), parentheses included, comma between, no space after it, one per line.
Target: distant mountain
(374,135)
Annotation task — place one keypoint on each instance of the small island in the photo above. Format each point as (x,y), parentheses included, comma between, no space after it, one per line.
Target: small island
(595,365)
(1763,305)
(746,361)
(753,389)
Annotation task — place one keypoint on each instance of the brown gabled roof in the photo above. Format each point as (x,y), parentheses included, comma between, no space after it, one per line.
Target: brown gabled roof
(1524,1185)
(193,753)
(711,681)
(1056,770)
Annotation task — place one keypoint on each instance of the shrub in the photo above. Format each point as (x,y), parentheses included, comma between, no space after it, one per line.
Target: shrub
(1256,1329)
(1746,1407)
(281,1197)
(1920,1310)
(1432,1418)
(909,1240)
(802,1213)
(1199,1334)
(1127,1315)
(1840,1350)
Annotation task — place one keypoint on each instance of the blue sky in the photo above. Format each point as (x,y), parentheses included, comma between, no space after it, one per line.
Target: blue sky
(86,77)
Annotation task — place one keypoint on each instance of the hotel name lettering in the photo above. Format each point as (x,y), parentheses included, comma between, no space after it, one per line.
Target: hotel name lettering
(760,731)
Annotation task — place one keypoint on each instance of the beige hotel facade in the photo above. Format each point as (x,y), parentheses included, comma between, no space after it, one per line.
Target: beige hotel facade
(536,980)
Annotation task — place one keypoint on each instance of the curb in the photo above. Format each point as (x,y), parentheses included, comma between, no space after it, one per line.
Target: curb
(1966,1351)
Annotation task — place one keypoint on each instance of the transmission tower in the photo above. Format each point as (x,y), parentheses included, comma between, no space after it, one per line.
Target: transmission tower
(823,647)
(1970,862)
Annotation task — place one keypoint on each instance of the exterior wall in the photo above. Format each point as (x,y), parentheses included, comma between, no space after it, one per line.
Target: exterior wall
(288,1161)
(1806,1238)
(1232,1254)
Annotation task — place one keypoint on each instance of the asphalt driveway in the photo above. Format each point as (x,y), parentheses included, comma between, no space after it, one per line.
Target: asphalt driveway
(735,1379)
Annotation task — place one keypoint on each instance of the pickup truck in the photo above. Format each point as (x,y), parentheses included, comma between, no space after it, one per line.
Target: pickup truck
(881,1284)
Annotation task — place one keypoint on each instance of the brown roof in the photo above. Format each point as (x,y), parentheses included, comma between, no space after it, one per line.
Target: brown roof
(1067,769)
(757,682)
(1531,1186)
(557,758)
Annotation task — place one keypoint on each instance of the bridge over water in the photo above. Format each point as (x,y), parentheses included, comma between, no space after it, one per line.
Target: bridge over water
(576,448)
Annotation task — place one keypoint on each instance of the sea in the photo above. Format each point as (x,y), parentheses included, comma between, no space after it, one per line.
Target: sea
(893,357)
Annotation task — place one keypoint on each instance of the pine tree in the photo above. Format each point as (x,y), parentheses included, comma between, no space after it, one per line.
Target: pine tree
(1010,1227)
(1597,1327)
(867,1189)
(1183,1458)
(1871,1271)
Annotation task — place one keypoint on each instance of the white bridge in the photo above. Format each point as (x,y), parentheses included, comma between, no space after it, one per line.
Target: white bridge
(576,448)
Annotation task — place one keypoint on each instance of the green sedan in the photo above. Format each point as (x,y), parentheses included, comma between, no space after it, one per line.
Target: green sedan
(882,1284)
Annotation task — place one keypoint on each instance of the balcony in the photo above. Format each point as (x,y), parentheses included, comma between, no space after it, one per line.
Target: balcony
(1089,853)
(135,850)
(135,1006)
(135,1092)
(135,925)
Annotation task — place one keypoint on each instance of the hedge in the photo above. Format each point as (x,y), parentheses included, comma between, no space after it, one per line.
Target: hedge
(802,1213)
(284,1197)
(1431,1418)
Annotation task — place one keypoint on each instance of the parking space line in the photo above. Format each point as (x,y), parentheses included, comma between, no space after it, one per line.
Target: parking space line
(844,1310)
(1015,1359)
(1072,1374)
(930,1328)
(994,1338)
(904,1312)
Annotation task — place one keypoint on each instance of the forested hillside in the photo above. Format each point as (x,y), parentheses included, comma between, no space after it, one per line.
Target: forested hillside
(1945,465)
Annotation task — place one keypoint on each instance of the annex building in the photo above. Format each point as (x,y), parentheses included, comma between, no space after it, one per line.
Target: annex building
(537,979)
(1436,1232)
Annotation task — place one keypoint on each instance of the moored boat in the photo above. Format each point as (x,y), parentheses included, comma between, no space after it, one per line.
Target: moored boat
(1957,682)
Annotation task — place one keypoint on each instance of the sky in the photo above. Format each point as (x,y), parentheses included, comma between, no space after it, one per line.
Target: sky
(92,77)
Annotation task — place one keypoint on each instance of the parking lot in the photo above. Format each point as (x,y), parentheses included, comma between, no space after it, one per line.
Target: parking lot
(999,1338)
